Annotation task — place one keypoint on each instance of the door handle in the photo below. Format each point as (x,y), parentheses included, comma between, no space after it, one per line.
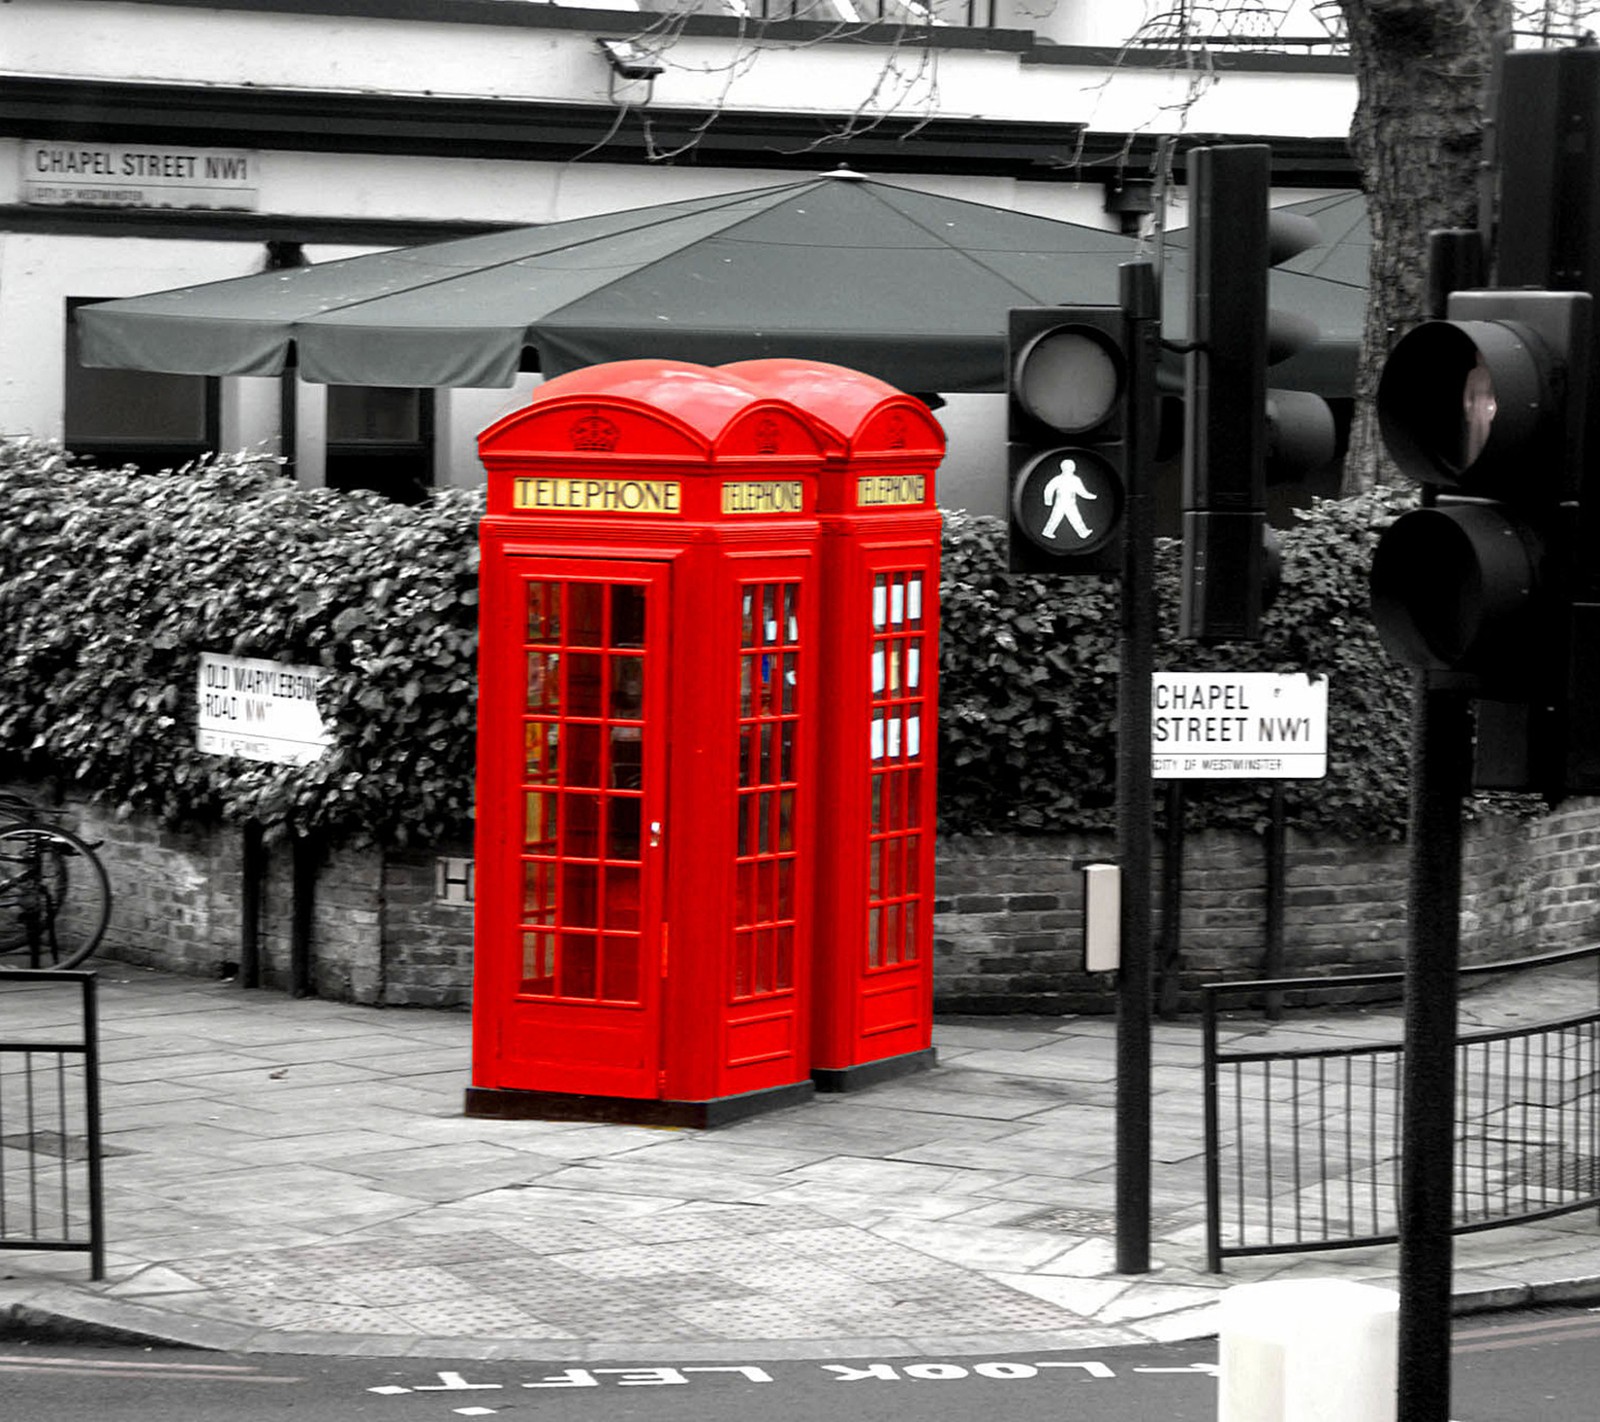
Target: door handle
(655,834)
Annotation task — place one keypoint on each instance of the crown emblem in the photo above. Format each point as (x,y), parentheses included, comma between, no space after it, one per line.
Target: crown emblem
(769,438)
(897,431)
(595,434)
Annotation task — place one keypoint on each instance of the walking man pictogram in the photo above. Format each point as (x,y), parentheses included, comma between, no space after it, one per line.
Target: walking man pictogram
(1061,494)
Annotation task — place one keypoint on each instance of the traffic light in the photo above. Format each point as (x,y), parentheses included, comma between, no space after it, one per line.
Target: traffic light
(1066,431)
(1486,408)
(1239,435)
(1493,587)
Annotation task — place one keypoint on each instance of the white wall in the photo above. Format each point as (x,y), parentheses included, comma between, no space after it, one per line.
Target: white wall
(108,40)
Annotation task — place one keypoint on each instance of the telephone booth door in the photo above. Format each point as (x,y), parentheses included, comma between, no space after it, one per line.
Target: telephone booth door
(892,991)
(580,1005)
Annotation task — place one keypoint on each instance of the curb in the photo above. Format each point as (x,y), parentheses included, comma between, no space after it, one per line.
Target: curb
(70,1317)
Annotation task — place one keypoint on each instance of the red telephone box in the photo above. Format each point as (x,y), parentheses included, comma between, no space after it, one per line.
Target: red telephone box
(876,784)
(647,735)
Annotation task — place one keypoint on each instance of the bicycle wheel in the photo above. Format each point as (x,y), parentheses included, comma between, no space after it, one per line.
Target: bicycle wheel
(55,898)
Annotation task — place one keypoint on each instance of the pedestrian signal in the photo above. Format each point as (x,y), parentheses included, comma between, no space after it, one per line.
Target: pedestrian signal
(1066,425)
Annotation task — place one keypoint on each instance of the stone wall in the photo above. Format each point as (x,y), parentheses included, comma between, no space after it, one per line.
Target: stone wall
(395,928)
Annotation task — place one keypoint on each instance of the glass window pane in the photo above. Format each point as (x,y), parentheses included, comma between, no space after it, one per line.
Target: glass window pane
(627,615)
(544,612)
(622,828)
(743,951)
(135,406)
(769,615)
(586,604)
(538,963)
(747,621)
(539,820)
(783,976)
(747,764)
(581,833)
(619,980)
(627,689)
(580,895)
(585,680)
(584,761)
(374,414)
(544,681)
(622,898)
(538,892)
(747,906)
(627,749)
(541,744)
(577,965)
(791,612)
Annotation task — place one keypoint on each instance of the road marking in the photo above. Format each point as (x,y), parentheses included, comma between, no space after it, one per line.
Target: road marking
(145,1367)
(109,1368)
(146,1371)
(1528,1339)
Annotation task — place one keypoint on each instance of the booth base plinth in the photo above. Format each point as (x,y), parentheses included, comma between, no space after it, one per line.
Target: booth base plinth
(853,1078)
(510,1104)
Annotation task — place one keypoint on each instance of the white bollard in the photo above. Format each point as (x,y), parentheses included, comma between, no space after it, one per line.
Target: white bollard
(1307,1350)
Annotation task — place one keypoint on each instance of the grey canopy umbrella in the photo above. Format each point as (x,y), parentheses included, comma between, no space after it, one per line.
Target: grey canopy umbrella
(905,285)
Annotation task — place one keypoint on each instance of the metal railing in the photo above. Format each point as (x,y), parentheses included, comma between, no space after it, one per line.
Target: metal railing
(1303,1144)
(51,1194)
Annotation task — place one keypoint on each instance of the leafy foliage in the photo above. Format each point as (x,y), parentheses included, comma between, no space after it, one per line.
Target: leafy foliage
(112,582)
(1029,683)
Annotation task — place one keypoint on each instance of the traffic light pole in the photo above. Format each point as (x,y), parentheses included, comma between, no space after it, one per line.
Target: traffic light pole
(1441,761)
(1135,811)
(1441,778)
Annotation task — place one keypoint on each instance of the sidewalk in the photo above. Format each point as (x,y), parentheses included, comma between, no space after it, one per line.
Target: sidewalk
(297,1176)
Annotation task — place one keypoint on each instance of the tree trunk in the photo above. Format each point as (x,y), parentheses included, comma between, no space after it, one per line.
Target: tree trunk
(1422,70)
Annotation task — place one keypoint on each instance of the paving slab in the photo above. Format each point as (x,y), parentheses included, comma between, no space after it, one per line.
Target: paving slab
(297,1176)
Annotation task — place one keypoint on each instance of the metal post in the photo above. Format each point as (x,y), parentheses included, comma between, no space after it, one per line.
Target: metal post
(1277,873)
(1441,757)
(304,875)
(252,870)
(91,1126)
(1171,903)
(1135,817)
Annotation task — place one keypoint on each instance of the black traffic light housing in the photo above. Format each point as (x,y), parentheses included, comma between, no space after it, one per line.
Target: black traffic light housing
(1066,431)
(1239,434)
(1480,588)
(1494,587)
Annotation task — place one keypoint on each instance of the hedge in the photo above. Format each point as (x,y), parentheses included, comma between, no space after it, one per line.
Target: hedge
(112,582)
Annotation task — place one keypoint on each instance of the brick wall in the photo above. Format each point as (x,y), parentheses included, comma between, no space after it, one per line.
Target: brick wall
(1008,921)
(1007,926)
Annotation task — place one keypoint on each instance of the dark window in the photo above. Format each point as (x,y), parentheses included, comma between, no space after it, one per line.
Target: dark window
(141,417)
(380,438)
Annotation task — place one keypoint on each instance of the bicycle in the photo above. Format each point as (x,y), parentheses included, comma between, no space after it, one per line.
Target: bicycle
(55,897)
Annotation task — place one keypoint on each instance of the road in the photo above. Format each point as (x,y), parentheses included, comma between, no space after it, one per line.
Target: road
(1537,1366)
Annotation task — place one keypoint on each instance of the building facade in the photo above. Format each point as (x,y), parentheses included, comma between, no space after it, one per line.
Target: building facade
(150,144)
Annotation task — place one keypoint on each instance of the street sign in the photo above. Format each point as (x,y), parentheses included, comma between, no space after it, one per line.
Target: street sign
(1238,726)
(259,710)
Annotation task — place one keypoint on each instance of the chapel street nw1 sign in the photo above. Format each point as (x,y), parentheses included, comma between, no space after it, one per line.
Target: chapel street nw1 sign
(259,710)
(1238,726)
